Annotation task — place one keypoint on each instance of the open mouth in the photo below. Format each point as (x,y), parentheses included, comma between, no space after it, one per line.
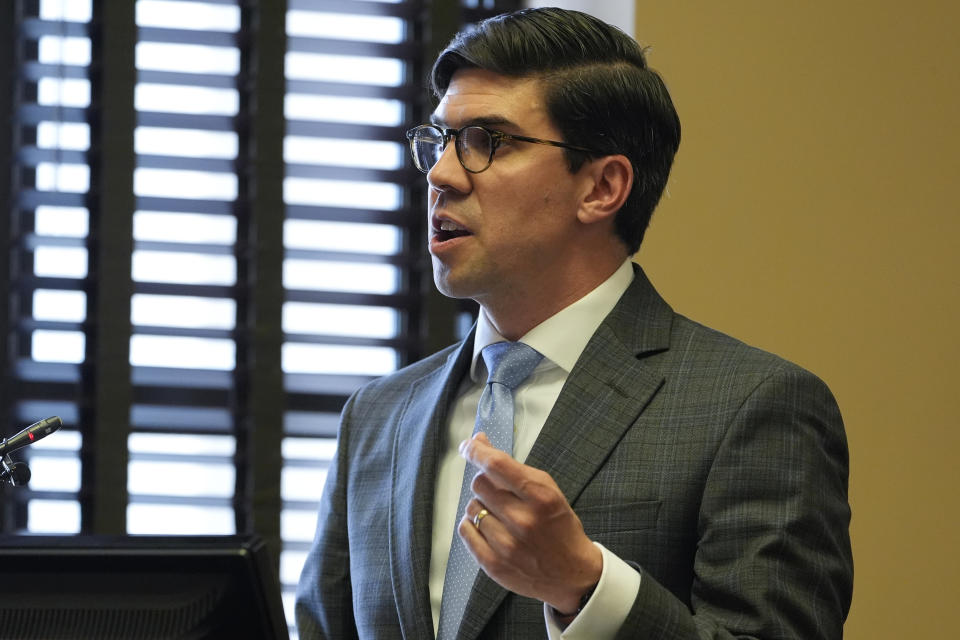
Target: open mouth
(448,230)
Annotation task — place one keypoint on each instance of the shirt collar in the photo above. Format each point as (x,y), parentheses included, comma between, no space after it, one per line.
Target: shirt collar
(562,337)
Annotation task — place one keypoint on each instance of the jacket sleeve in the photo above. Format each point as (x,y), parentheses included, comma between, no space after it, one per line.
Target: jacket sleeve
(324,603)
(773,557)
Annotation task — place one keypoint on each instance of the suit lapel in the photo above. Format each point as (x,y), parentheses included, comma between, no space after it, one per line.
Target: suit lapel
(415,452)
(604,395)
(606,391)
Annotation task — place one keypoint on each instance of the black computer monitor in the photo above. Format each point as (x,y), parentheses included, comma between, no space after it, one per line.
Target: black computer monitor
(138,588)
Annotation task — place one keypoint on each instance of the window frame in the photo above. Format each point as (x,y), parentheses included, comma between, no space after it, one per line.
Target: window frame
(105,386)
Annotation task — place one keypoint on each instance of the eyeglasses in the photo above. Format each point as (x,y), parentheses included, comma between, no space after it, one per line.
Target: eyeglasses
(475,145)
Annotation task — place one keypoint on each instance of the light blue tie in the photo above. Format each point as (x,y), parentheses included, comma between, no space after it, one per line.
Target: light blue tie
(509,364)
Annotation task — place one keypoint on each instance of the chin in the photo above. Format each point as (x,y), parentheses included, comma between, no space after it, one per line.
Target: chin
(448,284)
(449,289)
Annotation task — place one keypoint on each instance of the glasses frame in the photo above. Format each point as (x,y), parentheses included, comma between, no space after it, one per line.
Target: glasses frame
(496,138)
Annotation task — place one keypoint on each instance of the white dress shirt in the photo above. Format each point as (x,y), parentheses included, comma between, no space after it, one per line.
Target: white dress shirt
(561,339)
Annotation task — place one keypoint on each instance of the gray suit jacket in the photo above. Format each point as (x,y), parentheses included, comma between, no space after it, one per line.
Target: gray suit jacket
(719,471)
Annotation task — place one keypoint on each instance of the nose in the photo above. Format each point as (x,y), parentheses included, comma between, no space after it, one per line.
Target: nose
(448,173)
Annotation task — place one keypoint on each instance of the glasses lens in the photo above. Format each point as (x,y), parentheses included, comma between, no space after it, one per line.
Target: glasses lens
(426,145)
(475,147)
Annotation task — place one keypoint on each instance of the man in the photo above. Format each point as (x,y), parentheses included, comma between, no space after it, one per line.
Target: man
(663,480)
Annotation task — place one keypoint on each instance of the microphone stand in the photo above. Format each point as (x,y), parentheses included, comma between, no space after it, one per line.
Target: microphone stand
(16,474)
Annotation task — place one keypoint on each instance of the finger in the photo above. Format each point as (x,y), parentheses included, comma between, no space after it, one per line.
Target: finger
(476,512)
(479,453)
(483,519)
(489,541)
(474,539)
(495,498)
(502,469)
(514,515)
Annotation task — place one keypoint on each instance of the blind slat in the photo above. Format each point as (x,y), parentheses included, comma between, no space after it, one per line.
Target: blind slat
(33,28)
(408,10)
(402,51)
(405,92)
(187,121)
(36,71)
(398,176)
(344,131)
(189,36)
(213,80)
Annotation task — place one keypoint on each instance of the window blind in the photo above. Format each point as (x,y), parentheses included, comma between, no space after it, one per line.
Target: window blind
(215,237)
(356,274)
(48,226)
(350,274)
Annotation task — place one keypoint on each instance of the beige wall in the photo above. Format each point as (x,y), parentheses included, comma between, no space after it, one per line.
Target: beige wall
(813,211)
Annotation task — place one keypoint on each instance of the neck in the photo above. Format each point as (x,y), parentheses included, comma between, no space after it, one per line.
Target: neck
(514,315)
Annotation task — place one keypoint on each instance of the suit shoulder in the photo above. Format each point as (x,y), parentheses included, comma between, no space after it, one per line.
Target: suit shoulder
(710,373)
(715,352)
(404,376)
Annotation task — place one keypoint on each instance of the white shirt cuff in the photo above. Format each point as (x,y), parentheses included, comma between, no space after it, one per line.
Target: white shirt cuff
(608,607)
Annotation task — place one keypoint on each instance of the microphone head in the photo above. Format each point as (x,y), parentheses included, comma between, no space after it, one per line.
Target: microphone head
(44,427)
(31,434)
(19,474)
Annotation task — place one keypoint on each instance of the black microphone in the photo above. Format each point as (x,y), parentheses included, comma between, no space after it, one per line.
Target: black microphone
(16,473)
(30,435)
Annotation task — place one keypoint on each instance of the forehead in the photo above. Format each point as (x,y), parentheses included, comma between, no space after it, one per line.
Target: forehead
(481,96)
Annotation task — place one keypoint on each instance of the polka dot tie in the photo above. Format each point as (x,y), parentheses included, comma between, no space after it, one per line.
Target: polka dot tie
(508,364)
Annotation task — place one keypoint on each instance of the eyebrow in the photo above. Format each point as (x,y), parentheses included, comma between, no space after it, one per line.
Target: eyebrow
(484,121)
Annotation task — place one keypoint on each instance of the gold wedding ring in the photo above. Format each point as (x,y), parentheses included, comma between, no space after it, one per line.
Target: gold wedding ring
(483,513)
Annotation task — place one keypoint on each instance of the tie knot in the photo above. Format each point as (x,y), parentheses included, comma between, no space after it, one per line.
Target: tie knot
(510,363)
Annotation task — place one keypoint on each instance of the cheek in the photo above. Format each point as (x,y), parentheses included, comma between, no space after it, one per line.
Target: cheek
(548,189)
(526,199)
(547,195)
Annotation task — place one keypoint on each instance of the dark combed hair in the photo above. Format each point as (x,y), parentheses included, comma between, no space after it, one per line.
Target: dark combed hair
(599,92)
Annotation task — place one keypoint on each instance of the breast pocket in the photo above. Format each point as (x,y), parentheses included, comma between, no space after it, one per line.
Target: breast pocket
(629,530)
(609,519)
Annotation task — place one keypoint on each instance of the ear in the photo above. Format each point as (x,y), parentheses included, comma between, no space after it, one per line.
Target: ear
(610,182)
